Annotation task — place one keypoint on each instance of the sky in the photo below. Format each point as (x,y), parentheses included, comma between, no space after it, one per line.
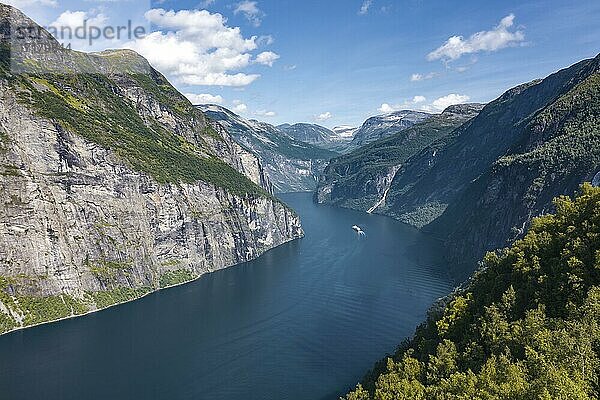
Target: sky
(337,62)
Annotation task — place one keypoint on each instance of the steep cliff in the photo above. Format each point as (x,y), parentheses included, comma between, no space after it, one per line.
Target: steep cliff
(382,126)
(362,178)
(112,184)
(290,164)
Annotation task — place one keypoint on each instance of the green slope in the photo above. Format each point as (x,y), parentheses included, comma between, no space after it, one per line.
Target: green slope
(354,177)
(85,94)
(527,325)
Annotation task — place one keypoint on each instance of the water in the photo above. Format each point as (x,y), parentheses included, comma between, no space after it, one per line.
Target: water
(305,321)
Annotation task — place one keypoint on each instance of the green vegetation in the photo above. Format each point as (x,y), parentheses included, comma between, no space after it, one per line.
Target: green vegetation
(354,175)
(108,270)
(527,325)
(110,297)
(177,277)
(9,170)
(6,321)
(86,104)
(44,309)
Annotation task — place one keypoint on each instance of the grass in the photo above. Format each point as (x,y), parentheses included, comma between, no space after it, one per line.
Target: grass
(177,277)
(107,298)
(108,270)
(88,106)
(44,309)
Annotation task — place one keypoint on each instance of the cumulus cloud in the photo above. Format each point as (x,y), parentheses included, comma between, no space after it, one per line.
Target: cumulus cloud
(422,77)
(250,11)
(409,104)
(265,113)
(196,47)
(239,107)
(498,38)
(204,98)
(76,19)
(324,117)
(364,8)
(266,58)
(441,103)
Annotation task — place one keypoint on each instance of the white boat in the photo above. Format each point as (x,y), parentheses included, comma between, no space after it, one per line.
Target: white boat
(358,230)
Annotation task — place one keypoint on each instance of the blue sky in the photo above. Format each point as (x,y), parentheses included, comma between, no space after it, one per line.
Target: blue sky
(339,61)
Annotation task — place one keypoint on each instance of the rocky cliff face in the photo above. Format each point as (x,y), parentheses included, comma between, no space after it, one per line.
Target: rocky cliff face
(382,126)
(362,178)
(112,185)
(291,165)
(478,187)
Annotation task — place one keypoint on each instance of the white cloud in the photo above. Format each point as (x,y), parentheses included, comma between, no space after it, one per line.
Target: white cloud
(422,77)
(440,104)
(251,11)
(290,67)
(76,19)
(267,58)
(264,113)
(497,38)
(409,104)
(386,108)
(196,47)
(240,108)
(448,100)
(204,98)
(265,40)
(364,8)
(324,117)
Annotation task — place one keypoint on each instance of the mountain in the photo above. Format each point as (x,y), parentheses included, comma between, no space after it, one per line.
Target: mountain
(478,187)
(362,178)
(290,164)
(319,136)
(381,126)
(112,184)
(345,132)
(478,190)
(309,133)
(526,326)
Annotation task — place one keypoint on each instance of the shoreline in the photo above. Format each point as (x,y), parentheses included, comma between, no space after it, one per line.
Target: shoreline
(22,328)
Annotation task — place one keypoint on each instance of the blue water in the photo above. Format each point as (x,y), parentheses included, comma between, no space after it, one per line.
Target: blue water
(304,321)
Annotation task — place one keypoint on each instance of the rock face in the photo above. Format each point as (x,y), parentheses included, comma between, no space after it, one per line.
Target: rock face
(320,136)
(536,142)
(291,165)
(478,186)
(381,126)
(362,178)
(113,185)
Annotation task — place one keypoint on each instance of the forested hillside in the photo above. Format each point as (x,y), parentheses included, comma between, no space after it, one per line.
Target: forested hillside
(526,326)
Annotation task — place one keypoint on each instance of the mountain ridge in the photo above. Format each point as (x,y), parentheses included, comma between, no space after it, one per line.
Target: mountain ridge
(114,184)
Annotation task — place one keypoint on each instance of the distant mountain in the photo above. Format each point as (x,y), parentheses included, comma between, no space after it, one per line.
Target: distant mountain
(478,187)
(345,131)
(319,136)
(381,126)
(361,179)
(309,133)
(291,165)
